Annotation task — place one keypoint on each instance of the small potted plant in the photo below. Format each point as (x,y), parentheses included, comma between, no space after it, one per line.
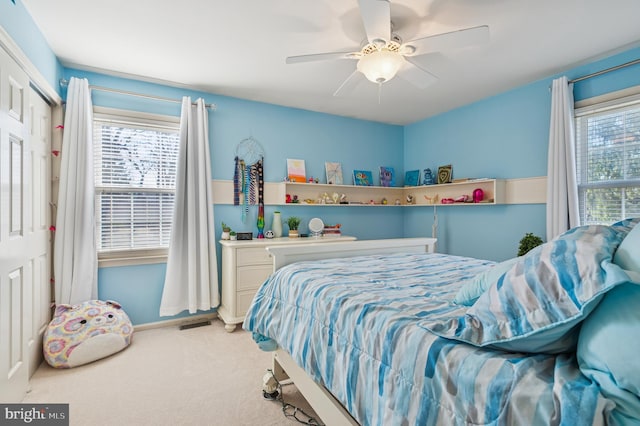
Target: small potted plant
(293,222)
(233,236)
(528,242)
(226,229)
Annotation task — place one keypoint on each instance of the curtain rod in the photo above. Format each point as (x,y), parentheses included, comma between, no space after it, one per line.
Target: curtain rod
(65,83)
(595,74)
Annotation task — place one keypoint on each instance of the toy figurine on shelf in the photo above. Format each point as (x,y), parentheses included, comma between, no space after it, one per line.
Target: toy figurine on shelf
(478,195)
(431,200)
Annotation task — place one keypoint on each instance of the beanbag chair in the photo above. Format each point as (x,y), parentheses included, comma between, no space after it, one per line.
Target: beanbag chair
(83,333)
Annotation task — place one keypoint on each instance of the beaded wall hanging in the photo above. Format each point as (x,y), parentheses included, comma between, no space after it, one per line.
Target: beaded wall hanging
(248,177)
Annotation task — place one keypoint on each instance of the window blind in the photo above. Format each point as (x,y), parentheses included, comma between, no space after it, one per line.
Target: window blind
(135,179)
(608,161)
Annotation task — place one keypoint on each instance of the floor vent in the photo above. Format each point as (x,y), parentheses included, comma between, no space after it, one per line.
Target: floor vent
(194,324)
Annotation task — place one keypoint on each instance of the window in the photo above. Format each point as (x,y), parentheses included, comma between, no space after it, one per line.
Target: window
(608,160)
(135,158)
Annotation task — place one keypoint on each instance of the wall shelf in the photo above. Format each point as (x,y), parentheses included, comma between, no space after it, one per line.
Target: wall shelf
(311,194)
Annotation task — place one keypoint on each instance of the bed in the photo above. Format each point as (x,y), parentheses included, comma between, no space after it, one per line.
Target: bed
(374,333)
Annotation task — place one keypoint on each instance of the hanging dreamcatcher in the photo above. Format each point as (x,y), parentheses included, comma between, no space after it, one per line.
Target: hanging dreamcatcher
(248,179)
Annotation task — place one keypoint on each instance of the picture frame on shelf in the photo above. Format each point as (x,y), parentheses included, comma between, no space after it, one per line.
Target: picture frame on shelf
(427,177)
(412,178)
(296,170)
(387,176)
(445,173)
(334,173)
(362,178)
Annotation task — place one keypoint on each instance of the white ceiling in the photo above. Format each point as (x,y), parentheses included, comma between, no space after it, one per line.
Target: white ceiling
(238,48)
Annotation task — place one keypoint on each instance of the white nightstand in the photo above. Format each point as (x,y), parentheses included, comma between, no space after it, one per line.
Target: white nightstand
(245,266)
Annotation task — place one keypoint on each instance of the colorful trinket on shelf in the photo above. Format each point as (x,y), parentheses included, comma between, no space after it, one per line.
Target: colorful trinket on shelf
(260,221)
(478,195)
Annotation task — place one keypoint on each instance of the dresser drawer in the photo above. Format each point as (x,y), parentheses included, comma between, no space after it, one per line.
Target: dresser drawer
(253,256)
(251,277)
(243,301)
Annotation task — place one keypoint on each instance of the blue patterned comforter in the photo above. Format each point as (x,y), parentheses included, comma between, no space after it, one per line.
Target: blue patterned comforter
(353,325)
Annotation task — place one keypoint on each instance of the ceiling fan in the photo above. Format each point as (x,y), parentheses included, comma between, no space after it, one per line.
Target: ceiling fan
(384,54)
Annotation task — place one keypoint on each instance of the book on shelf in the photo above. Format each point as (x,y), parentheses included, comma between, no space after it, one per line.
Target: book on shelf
(411,178)
(387,176)
(334,172)
(296,170)
(362,178)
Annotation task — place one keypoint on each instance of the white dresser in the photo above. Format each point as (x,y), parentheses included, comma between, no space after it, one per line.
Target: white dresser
(245,266)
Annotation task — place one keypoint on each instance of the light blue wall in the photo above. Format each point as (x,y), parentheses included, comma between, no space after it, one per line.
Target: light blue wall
(284,133)
(17,22)
(505,136)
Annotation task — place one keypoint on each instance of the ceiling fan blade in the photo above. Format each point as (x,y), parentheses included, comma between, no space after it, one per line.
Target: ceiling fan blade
(349,84)
(452,40)
(416,75)
(376,16)
(322,57)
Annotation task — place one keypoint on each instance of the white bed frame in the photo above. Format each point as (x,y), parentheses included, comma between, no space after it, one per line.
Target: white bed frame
(330,411)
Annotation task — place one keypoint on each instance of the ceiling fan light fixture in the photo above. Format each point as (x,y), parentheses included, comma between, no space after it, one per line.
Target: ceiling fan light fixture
(380,66)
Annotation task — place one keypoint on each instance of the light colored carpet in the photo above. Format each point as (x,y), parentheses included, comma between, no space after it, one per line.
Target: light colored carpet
(167,376)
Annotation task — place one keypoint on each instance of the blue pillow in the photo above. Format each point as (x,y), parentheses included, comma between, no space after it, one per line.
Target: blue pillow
(626,225)
(628,254)
(608,348)
(473,289)
(536,305)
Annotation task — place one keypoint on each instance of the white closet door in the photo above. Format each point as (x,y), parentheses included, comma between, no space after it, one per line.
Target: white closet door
(40,128)
(24,240)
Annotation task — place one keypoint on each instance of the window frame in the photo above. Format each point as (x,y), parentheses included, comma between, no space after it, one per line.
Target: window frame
(125,257)
(622,99)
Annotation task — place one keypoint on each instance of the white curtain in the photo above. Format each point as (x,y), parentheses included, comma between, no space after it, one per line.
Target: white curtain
(562,188)
(191,281)
(75,257)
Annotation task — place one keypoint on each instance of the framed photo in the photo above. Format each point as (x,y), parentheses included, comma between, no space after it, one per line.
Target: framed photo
(362,178)
(411,178)
(296,170)
(427,177)
(334,173)
(387,177)
(445,173)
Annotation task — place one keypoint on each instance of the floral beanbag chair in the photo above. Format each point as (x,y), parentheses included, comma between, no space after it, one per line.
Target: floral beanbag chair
(82,333)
